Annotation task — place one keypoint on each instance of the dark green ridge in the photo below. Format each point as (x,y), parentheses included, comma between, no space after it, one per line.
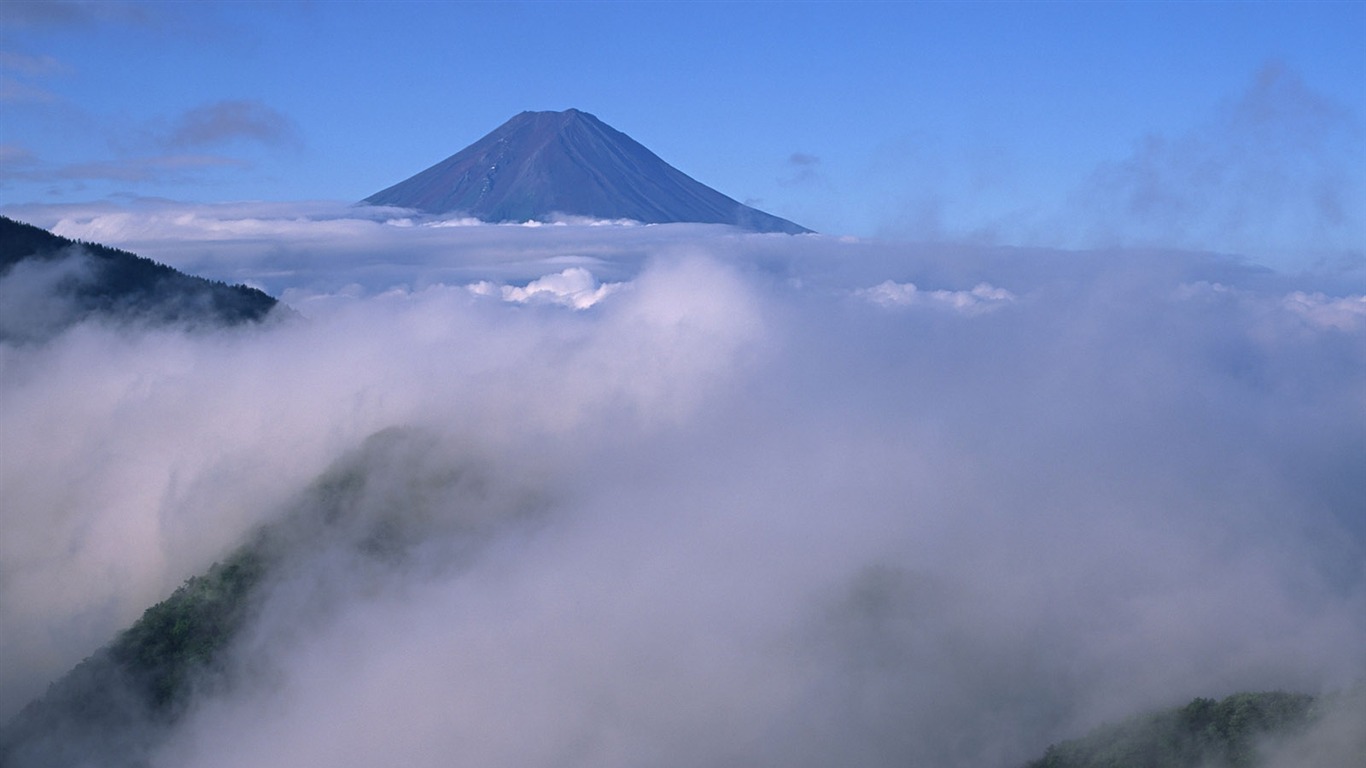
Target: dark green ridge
(118,702)
(123,286)
(117,706)
(1203,734)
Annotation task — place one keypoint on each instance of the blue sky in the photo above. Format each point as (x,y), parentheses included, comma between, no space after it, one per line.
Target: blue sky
(1224,126)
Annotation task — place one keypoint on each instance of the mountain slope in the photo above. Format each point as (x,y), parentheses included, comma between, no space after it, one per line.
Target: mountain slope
(48,282)
(1203,734)
(119,702)
(540,164)
(116,708)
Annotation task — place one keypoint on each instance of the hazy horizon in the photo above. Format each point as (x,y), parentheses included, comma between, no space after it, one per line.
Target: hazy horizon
(1232,127)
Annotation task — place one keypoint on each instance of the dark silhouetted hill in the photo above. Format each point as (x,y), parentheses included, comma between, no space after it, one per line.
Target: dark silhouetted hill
(49,282)
(539,165)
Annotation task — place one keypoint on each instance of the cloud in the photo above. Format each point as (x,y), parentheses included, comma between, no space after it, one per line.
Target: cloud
(1333,738)
(162,168)
(16,91)
(732,511)
(22,13)
(224,122)
(805,169)
(203,142)
(1344,313)
(1268,174)
(33,303)
(17,73)
(15,161)
(983,297)
(31,66)
(574,287)
(18,163)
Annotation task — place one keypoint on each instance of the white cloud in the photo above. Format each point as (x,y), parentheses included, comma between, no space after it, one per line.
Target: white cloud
(32,301)
(983,297)
(729,514)
(1319,310)
(1344,313)
(575,287)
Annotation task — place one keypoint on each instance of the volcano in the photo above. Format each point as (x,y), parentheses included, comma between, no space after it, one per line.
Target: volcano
(544,165)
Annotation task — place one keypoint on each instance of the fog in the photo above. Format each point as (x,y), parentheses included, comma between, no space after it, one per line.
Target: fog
(679,495)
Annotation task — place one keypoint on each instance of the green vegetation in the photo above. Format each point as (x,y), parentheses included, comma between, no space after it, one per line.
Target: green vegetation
(118,701)
(182,635)
(1203,734)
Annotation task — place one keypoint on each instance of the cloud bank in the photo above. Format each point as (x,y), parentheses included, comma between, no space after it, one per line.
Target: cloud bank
(680,494)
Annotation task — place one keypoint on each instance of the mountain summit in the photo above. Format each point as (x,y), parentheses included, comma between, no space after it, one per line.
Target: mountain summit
(539,164)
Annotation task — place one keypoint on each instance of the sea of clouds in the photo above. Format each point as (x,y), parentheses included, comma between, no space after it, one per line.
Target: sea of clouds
(683,495)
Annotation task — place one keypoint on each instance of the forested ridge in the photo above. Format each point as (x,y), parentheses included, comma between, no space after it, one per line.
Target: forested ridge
(117,701)
(120,702)
(1202,734)
(113,284)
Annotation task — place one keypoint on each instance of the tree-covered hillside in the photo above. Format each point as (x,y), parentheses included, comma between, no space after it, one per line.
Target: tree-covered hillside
(117,702)
(1203,734)
(401,493)
(52,281)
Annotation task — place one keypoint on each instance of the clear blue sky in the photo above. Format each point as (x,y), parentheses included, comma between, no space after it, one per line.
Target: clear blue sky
(1045,123)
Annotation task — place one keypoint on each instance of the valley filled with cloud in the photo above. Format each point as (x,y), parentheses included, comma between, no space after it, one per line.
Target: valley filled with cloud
(612,494)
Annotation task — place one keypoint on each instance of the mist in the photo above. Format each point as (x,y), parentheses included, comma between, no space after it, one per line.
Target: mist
(680,495)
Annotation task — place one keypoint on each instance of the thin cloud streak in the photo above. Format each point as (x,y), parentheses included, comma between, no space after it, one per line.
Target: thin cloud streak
(24,13)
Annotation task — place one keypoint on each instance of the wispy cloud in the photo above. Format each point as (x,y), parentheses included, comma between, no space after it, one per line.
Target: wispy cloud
(31,66)
(198,145)
(160,168)
(225,122)
(1268,172)
(18,163)
(22,13)
(19,73)
(803,169)
(15,160)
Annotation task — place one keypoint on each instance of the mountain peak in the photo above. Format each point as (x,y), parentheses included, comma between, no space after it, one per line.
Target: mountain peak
(539,165)
(563,117)
(551,117)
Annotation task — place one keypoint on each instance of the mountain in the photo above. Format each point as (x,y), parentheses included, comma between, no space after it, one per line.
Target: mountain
(48,282)
(118,706)
(120,702)
(540,164)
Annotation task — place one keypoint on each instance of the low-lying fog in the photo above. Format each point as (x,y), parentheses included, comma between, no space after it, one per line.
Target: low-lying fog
(685,496)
